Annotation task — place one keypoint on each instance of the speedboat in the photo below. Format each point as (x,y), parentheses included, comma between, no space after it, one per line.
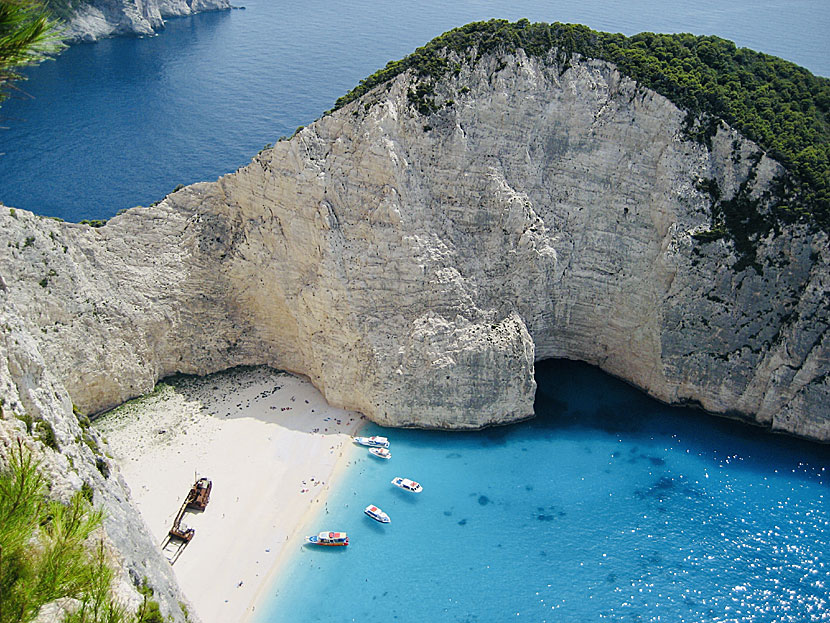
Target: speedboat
(407,485)
(373,442)
(382,453)
(328,538)
(375,513)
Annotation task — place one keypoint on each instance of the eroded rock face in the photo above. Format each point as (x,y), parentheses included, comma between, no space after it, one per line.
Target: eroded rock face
(97,19)
(415,267)
(31,393)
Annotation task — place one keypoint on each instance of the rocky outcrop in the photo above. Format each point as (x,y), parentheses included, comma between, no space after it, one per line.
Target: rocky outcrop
(97,19)
(415,267)
(33,400)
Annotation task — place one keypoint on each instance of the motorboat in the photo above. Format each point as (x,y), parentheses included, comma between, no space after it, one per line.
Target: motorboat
(375,513)
(381,453)
(373,441)
(328,538)
(407,485)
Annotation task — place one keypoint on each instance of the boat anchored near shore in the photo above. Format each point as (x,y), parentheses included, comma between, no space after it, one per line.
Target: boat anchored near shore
(332,539)
(375,513)
(407,485)
(373,441)
(381,453)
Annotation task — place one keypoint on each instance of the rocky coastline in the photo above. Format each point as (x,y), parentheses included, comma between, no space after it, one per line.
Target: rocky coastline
(97,19)
(415,267)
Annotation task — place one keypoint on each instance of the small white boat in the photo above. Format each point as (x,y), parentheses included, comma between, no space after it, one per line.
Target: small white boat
(329,538)
(382,453)
(407,485)
(373,442)
(375,513)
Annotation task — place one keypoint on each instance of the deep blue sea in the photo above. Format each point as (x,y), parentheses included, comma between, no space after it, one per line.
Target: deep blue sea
(608,506)
(122,122)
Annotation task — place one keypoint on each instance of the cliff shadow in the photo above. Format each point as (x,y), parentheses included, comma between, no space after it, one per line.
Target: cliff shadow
(576,399)
(272,396)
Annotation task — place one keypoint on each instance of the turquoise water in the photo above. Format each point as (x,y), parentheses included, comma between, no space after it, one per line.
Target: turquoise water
(608,507)
(122,122)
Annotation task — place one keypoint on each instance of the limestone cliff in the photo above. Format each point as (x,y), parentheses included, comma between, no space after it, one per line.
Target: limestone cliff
(415,267)
(97,19)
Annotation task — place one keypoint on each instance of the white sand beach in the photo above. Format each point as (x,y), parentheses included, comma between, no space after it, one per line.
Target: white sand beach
(270,444)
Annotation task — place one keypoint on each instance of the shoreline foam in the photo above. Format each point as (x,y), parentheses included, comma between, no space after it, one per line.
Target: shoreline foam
(272,447)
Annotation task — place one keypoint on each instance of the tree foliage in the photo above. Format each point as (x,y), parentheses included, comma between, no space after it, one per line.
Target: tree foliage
(48,551)
(779,105)
(28,34)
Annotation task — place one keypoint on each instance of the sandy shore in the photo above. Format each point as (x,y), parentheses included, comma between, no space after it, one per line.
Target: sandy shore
(271,446)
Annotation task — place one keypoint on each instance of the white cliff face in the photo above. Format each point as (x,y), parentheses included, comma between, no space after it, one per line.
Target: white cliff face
(97,19)
(416,267)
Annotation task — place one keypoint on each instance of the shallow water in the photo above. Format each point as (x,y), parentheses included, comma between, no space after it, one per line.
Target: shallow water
(122,122)
(608,506)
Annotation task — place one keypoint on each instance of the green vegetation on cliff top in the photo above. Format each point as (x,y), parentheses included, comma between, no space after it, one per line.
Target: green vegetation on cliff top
(782,107)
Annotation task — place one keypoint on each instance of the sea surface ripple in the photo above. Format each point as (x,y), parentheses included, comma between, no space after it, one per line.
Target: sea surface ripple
(607,507)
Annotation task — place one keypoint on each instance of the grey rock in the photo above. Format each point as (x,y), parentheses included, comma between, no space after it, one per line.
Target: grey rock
(415,268)
(97,19)
(29,389)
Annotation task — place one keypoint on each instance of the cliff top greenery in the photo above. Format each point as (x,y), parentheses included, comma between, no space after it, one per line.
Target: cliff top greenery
(782,107)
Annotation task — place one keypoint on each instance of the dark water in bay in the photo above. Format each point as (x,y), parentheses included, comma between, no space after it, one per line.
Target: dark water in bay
(122,122)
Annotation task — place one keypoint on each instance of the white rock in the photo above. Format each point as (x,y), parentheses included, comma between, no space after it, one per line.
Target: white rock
(414,268)
(97,19)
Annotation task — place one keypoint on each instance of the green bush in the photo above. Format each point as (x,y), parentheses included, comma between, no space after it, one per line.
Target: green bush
(28,421)
(780,106)
(87,492)
(46,554)
(43,542)
(103,467)
(148,611)
(46,434)
(27,36)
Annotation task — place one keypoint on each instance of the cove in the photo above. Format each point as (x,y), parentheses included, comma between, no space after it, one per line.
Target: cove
(609,506)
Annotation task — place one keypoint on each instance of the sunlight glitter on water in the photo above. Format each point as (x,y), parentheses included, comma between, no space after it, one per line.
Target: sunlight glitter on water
(613,508)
